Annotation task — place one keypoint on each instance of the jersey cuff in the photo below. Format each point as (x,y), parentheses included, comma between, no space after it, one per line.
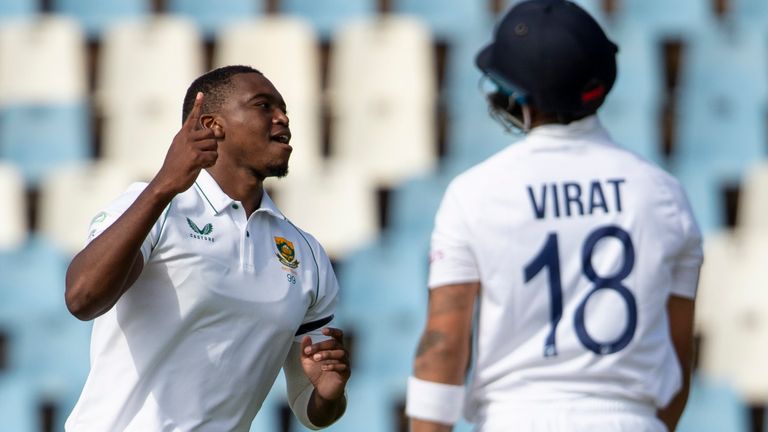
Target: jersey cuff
(313,325)
(441,282)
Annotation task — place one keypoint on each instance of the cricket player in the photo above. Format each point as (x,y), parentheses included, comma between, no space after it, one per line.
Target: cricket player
(200,289)
(564,268)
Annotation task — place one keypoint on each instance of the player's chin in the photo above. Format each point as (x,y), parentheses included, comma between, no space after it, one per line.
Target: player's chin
(277,170)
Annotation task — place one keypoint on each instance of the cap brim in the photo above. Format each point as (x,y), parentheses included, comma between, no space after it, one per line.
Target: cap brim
(483,58)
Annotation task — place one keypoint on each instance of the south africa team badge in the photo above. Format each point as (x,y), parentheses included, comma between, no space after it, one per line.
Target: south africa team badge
(286,252)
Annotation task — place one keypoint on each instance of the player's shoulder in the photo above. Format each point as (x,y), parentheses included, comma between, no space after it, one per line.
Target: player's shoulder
(129,195)
(657,177)
(304,236)
(136,188)
(503,161)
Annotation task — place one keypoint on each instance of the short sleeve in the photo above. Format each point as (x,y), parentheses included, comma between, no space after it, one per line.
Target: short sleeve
(108,215)
(685,274)
(323,308)
(451,257)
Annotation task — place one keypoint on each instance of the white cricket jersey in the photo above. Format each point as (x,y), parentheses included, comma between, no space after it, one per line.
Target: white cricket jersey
(578,245)
(198,340)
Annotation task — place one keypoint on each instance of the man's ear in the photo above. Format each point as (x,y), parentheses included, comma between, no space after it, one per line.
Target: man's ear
(211,122)
(207,121)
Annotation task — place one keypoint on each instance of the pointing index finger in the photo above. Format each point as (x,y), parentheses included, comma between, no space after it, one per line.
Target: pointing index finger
(193,120)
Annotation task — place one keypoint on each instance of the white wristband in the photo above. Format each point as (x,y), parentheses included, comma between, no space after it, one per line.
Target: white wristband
(436,402)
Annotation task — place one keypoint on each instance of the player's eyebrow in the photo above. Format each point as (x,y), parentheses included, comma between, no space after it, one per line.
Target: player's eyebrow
(271,98)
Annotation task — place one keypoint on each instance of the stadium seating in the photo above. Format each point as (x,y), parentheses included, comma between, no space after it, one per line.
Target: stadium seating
(14,9)
(382,94)
(680,18)
(716,318)
(336,204)
(40,137)
(19,404)
(718,121)
(144,71)
(372,405)
(748,12)
(97,16)
(63,216)
(712,407)
(748,359)
(472,134)
(213,18)
(631,112)
(448,19)
(329,15)
(285,49)
(720,128)
(42,61)
(268,418)
(32,285)
(594,7)
(413,204)
(44,117)
(705,188)
(385,300)
(753,204)
(13,215)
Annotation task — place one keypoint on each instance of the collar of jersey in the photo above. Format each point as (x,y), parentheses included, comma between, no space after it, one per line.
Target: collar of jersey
(588,126)
(211,193)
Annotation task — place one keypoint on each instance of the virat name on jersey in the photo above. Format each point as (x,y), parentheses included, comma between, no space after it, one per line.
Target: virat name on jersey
(568,199)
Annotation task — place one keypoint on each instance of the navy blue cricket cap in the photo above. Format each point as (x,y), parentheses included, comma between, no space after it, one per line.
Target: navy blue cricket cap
(555,54)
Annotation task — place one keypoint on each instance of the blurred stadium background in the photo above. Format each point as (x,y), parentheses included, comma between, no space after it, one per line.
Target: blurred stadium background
(385,109)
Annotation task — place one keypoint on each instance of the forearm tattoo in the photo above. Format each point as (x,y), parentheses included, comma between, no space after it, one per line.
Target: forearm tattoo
(429,340)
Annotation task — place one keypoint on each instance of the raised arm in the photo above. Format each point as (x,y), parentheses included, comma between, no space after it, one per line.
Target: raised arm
(111,263)
(442,357)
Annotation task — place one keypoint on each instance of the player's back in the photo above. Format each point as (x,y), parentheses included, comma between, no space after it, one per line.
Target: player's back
(577,244)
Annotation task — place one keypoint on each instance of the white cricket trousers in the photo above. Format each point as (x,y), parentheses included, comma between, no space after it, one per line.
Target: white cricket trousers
(581,415)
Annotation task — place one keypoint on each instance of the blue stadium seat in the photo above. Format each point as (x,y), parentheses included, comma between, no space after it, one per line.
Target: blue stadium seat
(32,282)
(449,19)
(413,204)
(721,127)
(268,418)
(472,135)
(748,13)
(52,353)
(210,18)
(17,8)
(679,18)
(46,343)
(631,110)
(97,15)
(38,137)
(372,403)
(18,404)
(713,407)
(705,183)
(594,7)
(327,15)
(373,406)
(385,300)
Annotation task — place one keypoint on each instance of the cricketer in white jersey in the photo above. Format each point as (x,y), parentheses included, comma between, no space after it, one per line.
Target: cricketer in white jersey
(201,289)
(569,263)
(577,245)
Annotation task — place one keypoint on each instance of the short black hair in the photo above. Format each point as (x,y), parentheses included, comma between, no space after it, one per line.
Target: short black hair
(216,87)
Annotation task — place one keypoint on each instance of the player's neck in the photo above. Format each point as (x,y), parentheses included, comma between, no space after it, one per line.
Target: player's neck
(239,185)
